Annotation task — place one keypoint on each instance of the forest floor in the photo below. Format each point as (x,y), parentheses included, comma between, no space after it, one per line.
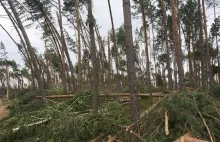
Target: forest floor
(4,111)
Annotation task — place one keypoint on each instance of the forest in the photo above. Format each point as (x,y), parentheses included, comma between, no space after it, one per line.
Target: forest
(156,82)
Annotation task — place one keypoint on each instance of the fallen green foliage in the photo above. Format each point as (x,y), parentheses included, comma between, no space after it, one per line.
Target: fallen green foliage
(183,117)
(73,121)
(65,121)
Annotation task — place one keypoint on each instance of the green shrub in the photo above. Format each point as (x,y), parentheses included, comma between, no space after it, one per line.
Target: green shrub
(55,92)
(216,91)
(25,102)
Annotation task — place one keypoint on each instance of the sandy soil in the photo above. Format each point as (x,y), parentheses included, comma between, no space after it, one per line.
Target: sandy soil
(3,109)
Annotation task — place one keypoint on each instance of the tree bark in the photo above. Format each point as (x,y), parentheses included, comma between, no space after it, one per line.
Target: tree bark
(7,76)
(94,58)
(27,56)
(170,84)
(177,47)
(109,62)
(146,49)
(190,61)
(202,48)
(134,101)
(79,48)
(209,69)
(30,50)
(64,49)
(115,43)
(217,47)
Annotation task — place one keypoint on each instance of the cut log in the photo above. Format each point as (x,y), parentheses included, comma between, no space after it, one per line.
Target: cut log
(103,95)
(55,96)
(166,124)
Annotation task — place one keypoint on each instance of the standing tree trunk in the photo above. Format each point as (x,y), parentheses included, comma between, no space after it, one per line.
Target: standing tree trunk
(209,68)
(79,48)
(202,48)
(30,50)
(146,49)
(177,47)
(170,86)
(115,44)
(134,102)
(109,62)
(217,47)
(95,76)
(190,60)
(65,49)
(7,76)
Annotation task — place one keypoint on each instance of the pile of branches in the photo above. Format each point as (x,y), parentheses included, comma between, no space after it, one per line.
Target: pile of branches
(196,114)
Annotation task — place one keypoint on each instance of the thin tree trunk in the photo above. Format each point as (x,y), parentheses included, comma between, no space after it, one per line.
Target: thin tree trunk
(134,102)
(24,45)
(190,61)
(202,49)
(175,74)
(94,58)
(56,44)
(115,44)
(194,66)
(170,86)
(217,47)
(47,68)
(64,47)
(30,50)
(79,48)
(109,62)
(178,51)
(209,69)
(146,49)
(7,76)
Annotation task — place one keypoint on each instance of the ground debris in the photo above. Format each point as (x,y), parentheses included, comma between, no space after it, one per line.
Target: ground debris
(188,137)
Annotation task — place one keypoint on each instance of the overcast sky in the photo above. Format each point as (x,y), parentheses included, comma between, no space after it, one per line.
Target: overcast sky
(101,13)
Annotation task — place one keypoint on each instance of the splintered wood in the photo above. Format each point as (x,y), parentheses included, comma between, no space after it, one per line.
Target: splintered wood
(166,124)
(111,138)
(188,138)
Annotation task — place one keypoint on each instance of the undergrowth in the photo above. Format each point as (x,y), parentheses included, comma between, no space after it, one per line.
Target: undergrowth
(183,117)
(73,120)
(62,121)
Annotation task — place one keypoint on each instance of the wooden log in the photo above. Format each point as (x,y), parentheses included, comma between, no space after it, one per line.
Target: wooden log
(127,94)
(103,95)
(55,96)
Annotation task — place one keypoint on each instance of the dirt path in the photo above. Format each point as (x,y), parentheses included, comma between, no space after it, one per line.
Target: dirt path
(3,109)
